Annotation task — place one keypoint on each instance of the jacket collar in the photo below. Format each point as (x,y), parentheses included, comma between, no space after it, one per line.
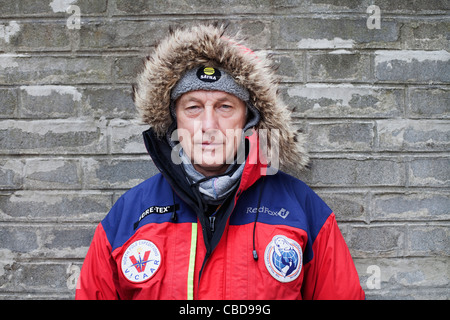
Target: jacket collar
(255,164)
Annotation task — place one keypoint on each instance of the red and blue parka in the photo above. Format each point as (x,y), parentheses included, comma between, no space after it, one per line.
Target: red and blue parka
(271,238)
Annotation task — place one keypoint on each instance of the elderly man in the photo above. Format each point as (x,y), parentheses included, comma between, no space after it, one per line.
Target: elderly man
(220,221)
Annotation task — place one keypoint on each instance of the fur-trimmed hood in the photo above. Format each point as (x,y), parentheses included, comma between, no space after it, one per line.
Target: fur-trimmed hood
(209,45)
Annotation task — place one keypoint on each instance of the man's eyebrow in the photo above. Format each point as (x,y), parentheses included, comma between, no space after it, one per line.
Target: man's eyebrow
(224,98)
(189,99)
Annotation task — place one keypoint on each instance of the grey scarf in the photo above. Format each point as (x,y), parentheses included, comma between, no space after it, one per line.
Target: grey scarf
(216,188)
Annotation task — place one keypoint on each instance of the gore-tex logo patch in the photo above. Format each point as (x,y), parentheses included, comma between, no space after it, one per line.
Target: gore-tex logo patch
(283,213)
(157,210)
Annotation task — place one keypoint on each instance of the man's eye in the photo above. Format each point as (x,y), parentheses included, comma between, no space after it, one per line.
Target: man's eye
(226,106)
(192,108)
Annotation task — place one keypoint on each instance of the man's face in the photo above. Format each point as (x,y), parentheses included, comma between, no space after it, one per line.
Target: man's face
(210,123)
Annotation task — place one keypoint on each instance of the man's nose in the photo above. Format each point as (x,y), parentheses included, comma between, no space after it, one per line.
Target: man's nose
(209,119)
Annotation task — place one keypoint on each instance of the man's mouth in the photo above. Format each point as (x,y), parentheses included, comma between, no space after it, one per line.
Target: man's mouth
(210,145)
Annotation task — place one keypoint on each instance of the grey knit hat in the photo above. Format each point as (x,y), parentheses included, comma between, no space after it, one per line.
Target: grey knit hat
(207,78)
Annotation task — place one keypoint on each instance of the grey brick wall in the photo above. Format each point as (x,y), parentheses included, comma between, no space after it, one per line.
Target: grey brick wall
(374,103)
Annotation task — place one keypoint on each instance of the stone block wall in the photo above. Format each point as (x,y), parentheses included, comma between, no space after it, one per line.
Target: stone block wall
(368,82)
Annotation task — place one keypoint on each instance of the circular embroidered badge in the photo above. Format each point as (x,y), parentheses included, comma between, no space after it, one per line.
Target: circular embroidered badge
(283,258)
(140,261)
(208,74)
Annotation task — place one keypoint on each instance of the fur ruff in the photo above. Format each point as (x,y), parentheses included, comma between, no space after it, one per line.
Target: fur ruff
(208,45)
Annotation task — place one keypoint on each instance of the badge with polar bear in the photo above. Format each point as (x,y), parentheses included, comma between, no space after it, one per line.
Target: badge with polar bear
(283,258)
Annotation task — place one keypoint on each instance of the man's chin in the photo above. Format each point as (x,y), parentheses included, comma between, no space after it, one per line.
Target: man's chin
(208,169)
(209,159)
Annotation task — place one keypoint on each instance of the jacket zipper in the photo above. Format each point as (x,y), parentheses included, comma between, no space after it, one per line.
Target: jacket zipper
(212,220)
(212,227)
